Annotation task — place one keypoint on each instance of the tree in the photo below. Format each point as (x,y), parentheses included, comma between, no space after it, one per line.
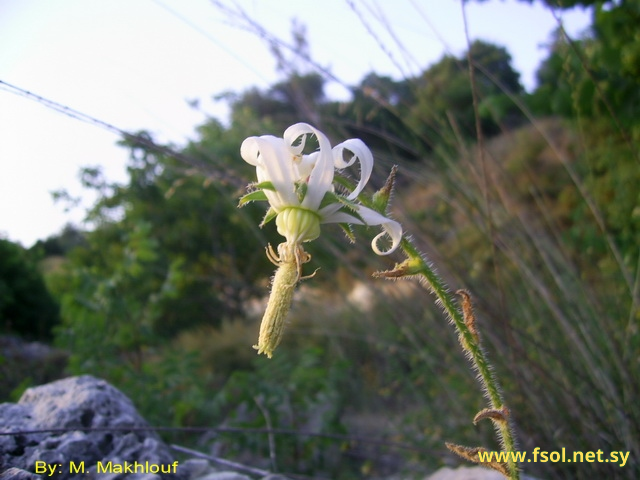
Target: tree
(598,75)
(375,115)
(61,243)
(26,306)
(444,102)
(163,245)
(295,99)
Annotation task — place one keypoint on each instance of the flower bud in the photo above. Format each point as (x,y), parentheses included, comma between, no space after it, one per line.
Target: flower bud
(298,225)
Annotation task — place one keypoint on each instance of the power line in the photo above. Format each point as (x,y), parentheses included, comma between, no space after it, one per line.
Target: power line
(137,139)
(211,39)
(237,430)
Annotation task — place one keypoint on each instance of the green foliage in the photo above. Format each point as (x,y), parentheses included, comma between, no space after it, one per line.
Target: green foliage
(26,306)
(549,273)
(596,76)
(611,175)
(24,364)
(406,117)
(60,244)
(296,392)
(444,111)
(284,103)
(375,115)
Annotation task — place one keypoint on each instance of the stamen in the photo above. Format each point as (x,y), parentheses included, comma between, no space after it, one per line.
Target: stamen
(273,256)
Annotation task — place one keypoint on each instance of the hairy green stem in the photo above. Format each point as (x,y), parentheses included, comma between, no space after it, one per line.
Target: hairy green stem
(417,265)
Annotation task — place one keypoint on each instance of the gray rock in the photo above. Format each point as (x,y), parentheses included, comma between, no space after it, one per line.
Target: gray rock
(469,473)
(84,428)
(225,476)
(194,468)
(18,474)
(79,403)
(466,473)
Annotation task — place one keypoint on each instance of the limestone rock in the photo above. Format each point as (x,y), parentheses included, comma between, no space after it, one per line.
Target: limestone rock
(466,473)
(18,474)
(469,473)
(69,428)
(224,476)
(77,402)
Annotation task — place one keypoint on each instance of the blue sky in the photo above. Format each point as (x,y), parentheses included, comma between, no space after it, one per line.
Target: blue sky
(136,63)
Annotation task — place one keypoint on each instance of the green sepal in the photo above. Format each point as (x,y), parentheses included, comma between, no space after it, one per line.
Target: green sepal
(330,198)
(348,231)
(354,213)
(264,186)
(257,195)
(344,183)
(380,199)
(268,217)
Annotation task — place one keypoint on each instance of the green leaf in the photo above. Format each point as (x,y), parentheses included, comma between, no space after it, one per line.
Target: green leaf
(257,195)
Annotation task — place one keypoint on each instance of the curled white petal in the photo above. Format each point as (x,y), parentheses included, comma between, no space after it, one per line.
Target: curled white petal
(250,152)
(394,230)
(359,152)
(321,175)
(272,161)
(390,227)
(295,132)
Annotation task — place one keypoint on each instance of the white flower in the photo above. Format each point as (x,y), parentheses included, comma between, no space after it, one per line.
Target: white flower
(299,187)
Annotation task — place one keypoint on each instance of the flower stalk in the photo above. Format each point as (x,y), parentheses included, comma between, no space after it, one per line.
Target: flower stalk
(463,319)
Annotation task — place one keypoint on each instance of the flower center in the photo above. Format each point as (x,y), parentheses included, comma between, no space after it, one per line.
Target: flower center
(298,225)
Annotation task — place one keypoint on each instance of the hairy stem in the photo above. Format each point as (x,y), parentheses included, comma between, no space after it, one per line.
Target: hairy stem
(417,265)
